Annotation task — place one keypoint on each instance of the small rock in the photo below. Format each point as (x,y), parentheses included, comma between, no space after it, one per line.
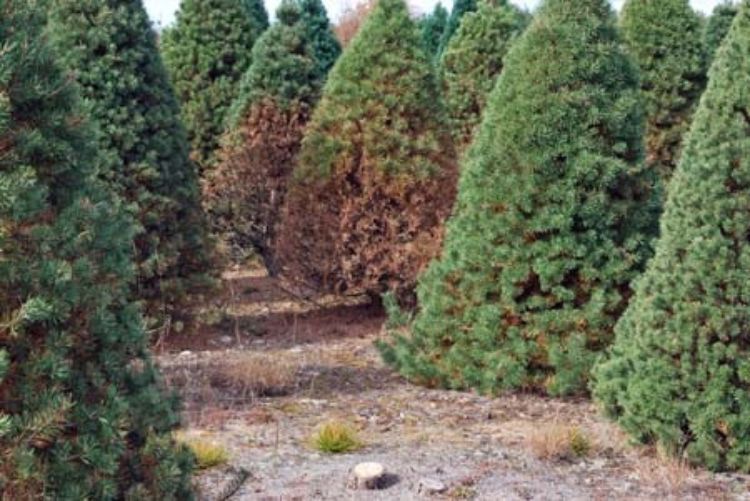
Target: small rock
(225,339)
(431,486)
(186,354)
(367,476)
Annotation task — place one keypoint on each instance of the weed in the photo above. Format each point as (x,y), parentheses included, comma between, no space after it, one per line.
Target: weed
(557,442)
(207,454)
(335,437)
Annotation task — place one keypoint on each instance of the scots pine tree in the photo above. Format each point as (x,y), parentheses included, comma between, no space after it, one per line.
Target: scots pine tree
(717,27)
(548,229)
(679,370)
(207,52)
(473,60)
(110,48)
(460,8)
(82,414)
(245,192)
(432,27)
(664,38)
(376,173)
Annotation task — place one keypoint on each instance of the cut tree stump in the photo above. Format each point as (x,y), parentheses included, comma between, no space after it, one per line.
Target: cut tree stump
(368,476)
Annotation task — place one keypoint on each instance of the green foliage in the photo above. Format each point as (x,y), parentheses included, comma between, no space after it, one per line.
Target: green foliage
(82,414)
(207,52)
(335,437)
(110,48)
(460,8)
(664,38)
(678,372)
(473,60)
(549,225)
(432,26)
(717,27)
(375,174)
(325,46)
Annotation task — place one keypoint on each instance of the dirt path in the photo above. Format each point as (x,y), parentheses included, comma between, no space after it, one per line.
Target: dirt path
(275,367)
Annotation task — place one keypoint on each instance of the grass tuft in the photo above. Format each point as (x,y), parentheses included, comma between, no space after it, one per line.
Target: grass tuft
(207,454)
(335,437)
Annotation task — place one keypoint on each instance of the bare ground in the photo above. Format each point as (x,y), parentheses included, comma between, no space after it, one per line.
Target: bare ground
(276,366)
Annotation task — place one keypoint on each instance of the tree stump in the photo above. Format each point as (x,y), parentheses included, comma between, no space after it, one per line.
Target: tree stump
(367,476)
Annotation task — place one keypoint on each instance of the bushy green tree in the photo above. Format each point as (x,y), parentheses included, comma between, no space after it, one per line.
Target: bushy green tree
(375,177)
(460,8)
(665,40)
(82,415)
(548,229)
(432,27)
(325,46)
(473,60)
(207,52)
(246,191)
(679,370)
(717,27)
(110,48)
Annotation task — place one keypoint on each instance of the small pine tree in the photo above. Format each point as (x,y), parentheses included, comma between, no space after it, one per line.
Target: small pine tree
(111,49)
(460,9)
(678,372)
(207,52)
(547,233)
(717,27)
(473,60)
(82,415)
(432,27)
(376,171)
(664,38)
(245,192)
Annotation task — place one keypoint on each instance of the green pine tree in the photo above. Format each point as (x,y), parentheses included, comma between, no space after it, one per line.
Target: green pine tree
(717,27)
(547,233)
(111,49)
(376,172)
(207,52)
(82,414)
(664,38)
(679,370)
(325,46)
(460,8)
(432,27)
(246,191)
(473,60)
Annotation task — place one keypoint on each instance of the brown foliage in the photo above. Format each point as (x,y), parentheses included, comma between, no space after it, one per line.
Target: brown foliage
(244,194)
(351,20)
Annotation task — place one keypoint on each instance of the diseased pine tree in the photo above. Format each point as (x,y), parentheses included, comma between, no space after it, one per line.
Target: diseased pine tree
(111,50)
(717,27)
(548,229)
(460,8)
(679,370)
(245,192)
(82,413)
(432,26)
(207,52)
(664,38)
(473,60)
(376,173)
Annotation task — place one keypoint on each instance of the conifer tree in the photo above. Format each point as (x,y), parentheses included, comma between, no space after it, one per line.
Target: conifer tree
(110,48)
(245,192)
(82,415)
(376,172)
(460,9)
(678,372)
(717,27)
(547,233)
(432,27)
(473,60)
(207,52)
(664,38)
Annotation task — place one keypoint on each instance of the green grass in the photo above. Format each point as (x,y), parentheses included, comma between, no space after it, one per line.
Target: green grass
(335,437)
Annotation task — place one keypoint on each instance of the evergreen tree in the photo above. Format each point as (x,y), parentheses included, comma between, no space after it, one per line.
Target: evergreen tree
(547,233)
(432,27)
(245,192)
(110,47)
(665,40)
(325,46)
(678,371)
(717,27)
(82,415)
(376,172)
(473,60)
(207,52)
(460,8)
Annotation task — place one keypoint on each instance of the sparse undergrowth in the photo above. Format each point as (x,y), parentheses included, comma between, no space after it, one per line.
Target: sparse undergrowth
(560,443)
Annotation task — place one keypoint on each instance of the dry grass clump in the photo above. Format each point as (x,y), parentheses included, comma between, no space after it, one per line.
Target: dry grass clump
(256,375)
(560,443)
(336,437)
(208,454)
